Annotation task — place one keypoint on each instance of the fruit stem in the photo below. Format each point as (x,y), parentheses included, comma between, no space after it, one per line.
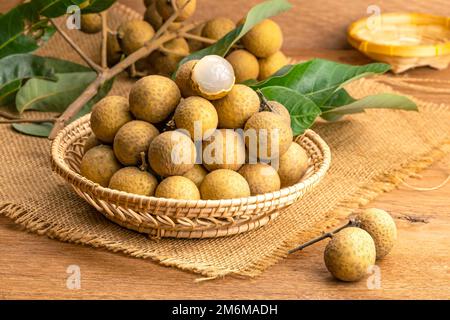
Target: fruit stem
(160,37)
(143,166)
(264,103)
(350,223)
(104,39)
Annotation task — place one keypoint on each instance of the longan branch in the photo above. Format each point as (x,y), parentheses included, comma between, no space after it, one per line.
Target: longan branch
(351,223)
(80,52)
(7,115)
(104,39)
(108,74)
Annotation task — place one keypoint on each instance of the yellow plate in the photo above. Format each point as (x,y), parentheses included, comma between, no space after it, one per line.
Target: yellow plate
(405,40)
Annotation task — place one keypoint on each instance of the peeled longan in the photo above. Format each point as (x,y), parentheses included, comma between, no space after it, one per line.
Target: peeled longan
(292,165)
(224,184)
(154,98)
(245,65)
(108,116)
(264,39)
(134,180)
(262,178)
(237,107)
(271,64)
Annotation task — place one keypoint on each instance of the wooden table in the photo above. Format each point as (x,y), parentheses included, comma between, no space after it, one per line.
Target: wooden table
(419,266)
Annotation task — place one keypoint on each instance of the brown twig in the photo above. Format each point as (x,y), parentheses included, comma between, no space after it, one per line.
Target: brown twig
(7,115)
(80,52)
(204,40)
(108,74)
(104,39)
(351,223)
(167,51)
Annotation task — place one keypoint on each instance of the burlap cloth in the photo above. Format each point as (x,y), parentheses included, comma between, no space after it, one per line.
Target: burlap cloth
(371,152)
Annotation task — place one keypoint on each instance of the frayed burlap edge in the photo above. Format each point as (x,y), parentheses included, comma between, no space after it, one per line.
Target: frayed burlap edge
(384,183)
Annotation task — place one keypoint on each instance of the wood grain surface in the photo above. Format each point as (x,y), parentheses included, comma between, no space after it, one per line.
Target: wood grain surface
(34,267)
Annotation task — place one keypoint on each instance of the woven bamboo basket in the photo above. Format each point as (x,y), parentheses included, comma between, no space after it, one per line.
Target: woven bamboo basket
(160,217)
(404,40)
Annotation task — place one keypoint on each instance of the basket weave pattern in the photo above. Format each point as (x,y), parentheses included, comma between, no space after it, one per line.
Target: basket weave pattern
(162,217)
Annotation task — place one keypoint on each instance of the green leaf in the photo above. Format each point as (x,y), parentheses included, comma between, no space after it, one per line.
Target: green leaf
(8,92)
(320,79)
(98,6)
(34,129)
(379,101)
(16,68)
(44,129)
(303,110)
(12,39)
(340,98)
(53,96)
(257,14)
(53,8)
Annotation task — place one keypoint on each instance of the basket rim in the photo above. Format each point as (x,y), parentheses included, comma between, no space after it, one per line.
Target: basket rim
(406,51)
(60,166)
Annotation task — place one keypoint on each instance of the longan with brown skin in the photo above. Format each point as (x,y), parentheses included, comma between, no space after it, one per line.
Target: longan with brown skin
(165,9)
(108,116)
(262,178)
(91,142)
(196,174)
(225,149)
(281,110)
(237,107)
(154,98)
(183,78)
(91,22)
(134,180)
(267,135)
(224,184)
(132,140)
(245,65)
(270,65)
(264,39)
(196,111)
(172,154)
(217,28)
(152,16)
(292,165)
(349,254)
(113,49)
(380,225)
(195,45)
(177,187)
(167,63)
(99,164)
(134,34)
